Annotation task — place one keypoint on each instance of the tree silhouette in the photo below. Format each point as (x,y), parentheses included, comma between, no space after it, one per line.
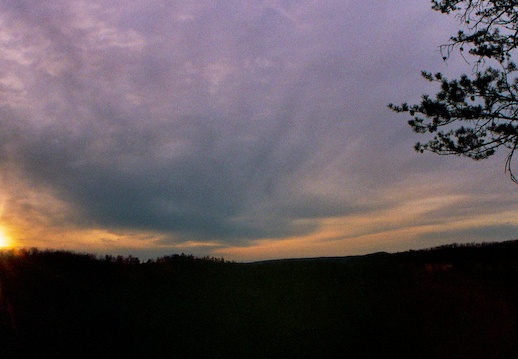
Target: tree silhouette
(455,300)
(475,114)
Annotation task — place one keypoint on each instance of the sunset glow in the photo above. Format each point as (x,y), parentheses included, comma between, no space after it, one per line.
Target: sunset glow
(5,242)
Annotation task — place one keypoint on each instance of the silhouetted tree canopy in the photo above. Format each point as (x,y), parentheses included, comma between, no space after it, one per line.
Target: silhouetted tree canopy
(456,301)
(474,114)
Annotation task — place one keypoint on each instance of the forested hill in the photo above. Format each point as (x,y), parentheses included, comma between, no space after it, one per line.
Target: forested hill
(457,301)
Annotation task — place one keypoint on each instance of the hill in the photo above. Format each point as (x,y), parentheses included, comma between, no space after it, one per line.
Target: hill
(457,301)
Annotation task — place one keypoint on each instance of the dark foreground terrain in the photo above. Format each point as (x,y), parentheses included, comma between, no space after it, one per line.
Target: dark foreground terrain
(447,302)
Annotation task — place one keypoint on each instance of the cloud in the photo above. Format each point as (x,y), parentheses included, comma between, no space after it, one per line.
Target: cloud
(472,235)
(209,121)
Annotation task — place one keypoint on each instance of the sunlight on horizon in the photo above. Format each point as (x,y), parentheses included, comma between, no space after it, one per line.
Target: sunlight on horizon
(5,242)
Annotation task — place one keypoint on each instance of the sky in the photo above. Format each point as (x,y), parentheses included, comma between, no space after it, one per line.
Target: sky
(247,130)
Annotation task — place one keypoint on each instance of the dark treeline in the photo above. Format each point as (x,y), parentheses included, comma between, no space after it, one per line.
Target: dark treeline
(457,301)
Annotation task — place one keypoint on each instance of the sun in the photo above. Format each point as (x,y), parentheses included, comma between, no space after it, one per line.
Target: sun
(4,239)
